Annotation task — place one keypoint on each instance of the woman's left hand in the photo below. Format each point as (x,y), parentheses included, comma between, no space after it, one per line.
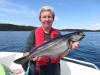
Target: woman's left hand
(73,45)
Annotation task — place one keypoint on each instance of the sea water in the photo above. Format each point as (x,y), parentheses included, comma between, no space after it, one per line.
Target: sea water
(88,50)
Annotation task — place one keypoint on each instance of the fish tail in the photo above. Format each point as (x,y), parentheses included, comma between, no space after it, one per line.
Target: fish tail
(23,61)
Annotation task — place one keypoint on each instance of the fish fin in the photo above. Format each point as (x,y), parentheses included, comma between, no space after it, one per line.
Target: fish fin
(23,61)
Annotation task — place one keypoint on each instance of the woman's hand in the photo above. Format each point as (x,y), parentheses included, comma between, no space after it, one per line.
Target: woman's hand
(73,45)
(37,58)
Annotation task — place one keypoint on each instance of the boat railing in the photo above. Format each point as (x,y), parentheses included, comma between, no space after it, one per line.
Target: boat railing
(80,62)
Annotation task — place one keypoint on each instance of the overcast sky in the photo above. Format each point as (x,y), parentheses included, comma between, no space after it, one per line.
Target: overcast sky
(81,14)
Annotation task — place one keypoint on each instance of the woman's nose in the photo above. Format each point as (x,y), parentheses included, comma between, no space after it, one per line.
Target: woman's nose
(47,18)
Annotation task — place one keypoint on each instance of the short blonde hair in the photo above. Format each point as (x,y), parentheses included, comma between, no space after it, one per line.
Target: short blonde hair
(47,8)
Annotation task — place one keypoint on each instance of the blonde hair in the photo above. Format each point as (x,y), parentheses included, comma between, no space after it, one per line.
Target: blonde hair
(47,8)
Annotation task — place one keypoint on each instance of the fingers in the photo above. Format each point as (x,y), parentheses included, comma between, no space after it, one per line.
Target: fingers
(37,58)
(73,45)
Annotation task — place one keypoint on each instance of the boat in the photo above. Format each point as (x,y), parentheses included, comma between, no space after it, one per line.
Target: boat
(69,66)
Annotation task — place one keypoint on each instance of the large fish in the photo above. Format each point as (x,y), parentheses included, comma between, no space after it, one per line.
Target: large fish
(52,47)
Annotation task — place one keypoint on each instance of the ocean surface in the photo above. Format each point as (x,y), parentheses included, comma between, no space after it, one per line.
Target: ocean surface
(88,50)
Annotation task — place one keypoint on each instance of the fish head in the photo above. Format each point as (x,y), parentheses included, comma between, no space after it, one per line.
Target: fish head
(77,36)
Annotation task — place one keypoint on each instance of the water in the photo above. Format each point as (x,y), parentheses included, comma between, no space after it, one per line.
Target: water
(88,50)
(13,40)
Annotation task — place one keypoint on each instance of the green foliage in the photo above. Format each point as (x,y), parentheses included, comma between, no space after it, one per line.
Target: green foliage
(11,27)
(80,30)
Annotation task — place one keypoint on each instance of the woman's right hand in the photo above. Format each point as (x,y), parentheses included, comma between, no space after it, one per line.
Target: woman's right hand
(37,58)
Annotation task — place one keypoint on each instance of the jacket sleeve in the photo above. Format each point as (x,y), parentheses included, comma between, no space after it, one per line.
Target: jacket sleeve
(30,42)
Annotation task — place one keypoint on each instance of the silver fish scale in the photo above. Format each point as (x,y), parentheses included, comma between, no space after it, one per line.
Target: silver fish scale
(54,47)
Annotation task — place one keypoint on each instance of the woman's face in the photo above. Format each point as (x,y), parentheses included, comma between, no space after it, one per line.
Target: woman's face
(46,19)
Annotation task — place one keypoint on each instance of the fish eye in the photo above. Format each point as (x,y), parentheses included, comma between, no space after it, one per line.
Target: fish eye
(78,33)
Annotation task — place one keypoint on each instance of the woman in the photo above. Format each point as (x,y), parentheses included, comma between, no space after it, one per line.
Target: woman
(45,65)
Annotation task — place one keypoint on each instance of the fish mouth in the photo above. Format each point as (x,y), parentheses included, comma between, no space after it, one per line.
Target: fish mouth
(82,36)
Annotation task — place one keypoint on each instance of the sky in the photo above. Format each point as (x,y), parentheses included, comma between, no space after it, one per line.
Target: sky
(69,14)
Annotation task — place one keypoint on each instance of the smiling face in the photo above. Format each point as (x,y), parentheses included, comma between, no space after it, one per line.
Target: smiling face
(46,19)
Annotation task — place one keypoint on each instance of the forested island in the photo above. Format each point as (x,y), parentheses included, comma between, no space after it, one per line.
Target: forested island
(12,27)
(85,30)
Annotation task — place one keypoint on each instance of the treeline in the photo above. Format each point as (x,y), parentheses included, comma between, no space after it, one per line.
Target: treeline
(12,27)
(85,30)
